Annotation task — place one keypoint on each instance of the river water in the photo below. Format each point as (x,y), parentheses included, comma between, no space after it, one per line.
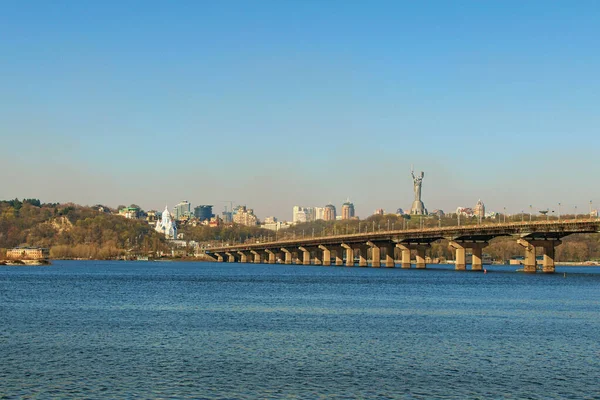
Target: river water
(204,330)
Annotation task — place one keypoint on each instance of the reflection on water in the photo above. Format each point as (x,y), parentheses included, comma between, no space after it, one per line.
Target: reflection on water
(200,330)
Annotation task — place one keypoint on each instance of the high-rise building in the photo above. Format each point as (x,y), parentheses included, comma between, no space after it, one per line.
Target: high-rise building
(203,212)
(244,216)
(479,209)
(303,214)
(319,213)
(347,210)
(329,212)
(183,209)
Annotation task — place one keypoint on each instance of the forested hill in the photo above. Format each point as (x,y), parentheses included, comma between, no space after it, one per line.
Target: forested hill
(69,230)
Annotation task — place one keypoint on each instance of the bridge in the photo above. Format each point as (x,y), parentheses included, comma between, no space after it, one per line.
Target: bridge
(372,247)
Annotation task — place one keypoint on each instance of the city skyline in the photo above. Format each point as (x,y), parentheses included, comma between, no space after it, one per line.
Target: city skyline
(262,104)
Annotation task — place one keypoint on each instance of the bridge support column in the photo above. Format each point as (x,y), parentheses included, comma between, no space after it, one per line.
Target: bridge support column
(230,257)
(219,257)
(460,263)
(529,264)
(549,252)
(405,255)
(288,256)
(326,255)
(271,256)
(339,256)
(421,257)
(305,255)
(390,259)
(476,262)
(349,255)
(362,256)
(243,257)
(375,255)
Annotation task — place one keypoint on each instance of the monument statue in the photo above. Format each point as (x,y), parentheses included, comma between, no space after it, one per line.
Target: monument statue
(418,208)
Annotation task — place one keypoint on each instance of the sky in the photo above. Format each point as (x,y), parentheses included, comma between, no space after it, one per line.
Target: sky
(272,104)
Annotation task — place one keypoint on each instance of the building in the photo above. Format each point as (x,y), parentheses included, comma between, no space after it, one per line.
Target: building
(129,212)
(319,213)
(439,213)
(400,211)
(27,253)
(329,213)
(347,210)
(479,210)
(465,211)
(303,214)
(166,225)
(379,211)
(227,217)
(270,220)
(244,216)
(183,209)
(152,216)
(203,212)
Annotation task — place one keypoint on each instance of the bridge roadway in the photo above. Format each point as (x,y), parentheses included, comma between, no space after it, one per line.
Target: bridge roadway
(371,246)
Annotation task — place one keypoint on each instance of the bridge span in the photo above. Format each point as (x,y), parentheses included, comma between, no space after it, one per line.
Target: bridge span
(370,248)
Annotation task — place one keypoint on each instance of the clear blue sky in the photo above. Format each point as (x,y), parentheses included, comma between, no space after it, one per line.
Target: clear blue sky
(276,103)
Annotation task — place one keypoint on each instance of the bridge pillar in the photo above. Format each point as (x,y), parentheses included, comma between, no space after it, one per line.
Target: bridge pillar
(219,257)
(257,257)
(243,257)
(230,257)
(326,255)
(460,262)
(375,255)
(271,256)
(362,256)
(339,256)
(405,255)
(549,251)
(390,260)
(421,257)
(476,262)
(349,255)
(305,255)
(529,264)
(288,256)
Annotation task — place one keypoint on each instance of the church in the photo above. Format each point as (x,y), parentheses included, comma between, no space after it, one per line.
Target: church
(166,225)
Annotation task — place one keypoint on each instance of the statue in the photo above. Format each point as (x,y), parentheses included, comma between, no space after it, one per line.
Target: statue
(418,181)
(418,208)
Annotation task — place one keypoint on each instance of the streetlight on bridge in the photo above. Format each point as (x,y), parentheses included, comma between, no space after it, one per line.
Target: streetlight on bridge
(559,210)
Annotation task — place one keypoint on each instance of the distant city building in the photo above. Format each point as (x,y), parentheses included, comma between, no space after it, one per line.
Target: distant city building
(27,253)
(319,213)
(379,211)
(347,210)
(329,213)
(129,212)
(203,212)
(400,211)
(439,213)
(152,216)
(183,209)
(466,211)
(303,214)
(227,217)
(594,214)
(479,210)
(166,225)
(244,216)
(276,225)
(270,220)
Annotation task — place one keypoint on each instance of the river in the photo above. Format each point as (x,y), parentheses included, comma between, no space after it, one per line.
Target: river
(93,329)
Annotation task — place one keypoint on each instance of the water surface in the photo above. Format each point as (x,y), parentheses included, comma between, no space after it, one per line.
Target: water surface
(202,330)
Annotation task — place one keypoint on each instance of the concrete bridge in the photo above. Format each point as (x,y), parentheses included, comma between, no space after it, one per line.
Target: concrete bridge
(371,248)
